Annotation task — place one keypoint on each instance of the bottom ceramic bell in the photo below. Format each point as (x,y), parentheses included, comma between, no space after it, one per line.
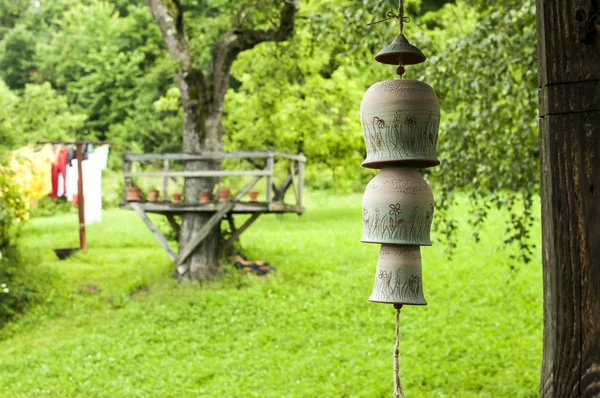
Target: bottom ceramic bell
(398,276)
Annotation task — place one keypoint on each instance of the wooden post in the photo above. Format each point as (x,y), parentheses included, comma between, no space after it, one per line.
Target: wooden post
(300,181)
(569,79)
(270,168)
(126,165)
(165,180)
(80,200)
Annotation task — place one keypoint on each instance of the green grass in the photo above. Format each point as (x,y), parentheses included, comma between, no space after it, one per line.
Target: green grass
(306,331)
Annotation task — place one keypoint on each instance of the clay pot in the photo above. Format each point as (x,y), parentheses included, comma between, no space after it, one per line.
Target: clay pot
(204,197)
(177,197)
(400,121)
(153,195)
(223,194)
(133,194)
(253,196)
(398,277)
(397,208)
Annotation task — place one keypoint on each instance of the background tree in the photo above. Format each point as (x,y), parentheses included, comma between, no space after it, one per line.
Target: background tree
(203,92)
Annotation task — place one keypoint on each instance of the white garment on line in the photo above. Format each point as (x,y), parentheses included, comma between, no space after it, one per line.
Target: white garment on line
(91,169)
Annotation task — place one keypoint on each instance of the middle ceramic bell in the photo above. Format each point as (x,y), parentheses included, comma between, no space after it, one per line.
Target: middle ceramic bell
(397,208)
(400,121)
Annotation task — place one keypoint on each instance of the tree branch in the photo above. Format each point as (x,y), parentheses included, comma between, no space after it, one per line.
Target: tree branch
(168,15)
(228,49)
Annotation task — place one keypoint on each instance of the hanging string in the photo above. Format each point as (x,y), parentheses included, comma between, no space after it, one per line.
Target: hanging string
(398,391)
(391,15)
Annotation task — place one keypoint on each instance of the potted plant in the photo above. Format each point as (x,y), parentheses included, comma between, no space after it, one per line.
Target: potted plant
(223,194)
(133,194)
(153,195)
(177,197)
(204,197)
(253,196)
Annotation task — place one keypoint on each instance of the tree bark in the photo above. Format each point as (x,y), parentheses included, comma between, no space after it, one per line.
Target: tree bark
(569,75)
(202,102)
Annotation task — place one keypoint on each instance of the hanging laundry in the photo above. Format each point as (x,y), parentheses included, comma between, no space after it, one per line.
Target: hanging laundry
(32,170)
(91,169)
(59,173)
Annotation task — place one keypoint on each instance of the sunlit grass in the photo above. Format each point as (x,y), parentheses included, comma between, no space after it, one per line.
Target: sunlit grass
(306,331)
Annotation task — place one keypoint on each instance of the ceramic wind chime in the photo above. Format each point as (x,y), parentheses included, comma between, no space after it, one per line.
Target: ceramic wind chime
(400,121)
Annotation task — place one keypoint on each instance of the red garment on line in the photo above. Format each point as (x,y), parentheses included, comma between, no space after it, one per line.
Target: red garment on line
(58,168)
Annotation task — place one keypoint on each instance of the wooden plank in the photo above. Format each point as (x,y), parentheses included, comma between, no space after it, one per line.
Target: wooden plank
(562,55)
(299,157)
(77,142)
(240,208)
(300,183)
(571,254)
(80,198)
(211,223)
(569,71)
(165,180)
(204,231)
(270,170)
(236,235)
(292,173)
(155,232)
(126,165)
(280,193)
(145,157)
(200,173)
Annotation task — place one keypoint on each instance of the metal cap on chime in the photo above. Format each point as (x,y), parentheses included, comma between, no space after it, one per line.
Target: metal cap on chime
(398,276)
(400,52)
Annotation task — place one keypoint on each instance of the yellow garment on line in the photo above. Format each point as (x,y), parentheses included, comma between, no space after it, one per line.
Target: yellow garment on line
(33,170)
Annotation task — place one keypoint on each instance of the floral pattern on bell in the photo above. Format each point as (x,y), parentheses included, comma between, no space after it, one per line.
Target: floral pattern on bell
(397,208)
(398,277)
(400,121)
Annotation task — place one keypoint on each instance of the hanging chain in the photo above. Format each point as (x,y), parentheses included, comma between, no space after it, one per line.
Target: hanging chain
(398,391)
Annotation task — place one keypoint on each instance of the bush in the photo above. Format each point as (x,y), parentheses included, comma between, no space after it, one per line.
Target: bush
(15,291)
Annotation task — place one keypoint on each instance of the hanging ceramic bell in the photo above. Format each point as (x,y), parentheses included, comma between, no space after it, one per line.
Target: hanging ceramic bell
(398,276)
(400,121)
(397,208)
(400,52)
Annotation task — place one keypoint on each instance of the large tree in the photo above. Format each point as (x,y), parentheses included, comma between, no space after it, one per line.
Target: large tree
(203,86)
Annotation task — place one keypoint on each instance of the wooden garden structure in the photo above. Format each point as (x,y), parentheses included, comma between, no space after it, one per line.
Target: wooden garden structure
(263,163)
(568,34)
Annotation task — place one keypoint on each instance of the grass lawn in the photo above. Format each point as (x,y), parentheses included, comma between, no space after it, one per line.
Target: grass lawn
(117,325)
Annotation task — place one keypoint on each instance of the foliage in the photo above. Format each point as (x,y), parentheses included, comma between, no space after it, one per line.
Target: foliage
(488,145)
(110,77)
(52,206)
(480,335)
(13,207)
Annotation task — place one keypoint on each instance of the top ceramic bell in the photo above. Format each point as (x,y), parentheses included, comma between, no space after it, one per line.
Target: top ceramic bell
(400,121)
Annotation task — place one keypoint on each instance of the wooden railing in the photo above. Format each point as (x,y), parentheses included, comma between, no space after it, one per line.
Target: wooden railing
(273,193)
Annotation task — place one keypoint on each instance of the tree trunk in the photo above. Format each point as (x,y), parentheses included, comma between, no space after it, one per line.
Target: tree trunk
(569,75)
(200,134)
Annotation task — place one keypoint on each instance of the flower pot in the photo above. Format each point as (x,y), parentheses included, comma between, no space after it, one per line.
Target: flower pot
(204,197)
(177,197)
(153,195)
(400,121)
(398,277)
(253,196)
(223,194)
(133,194)
(397,208)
